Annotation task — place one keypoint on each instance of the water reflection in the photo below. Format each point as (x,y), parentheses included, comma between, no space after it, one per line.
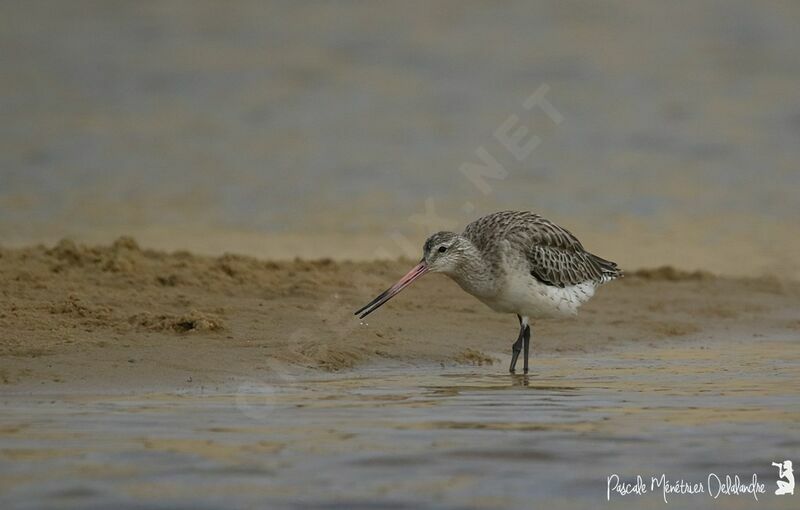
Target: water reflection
(409,436)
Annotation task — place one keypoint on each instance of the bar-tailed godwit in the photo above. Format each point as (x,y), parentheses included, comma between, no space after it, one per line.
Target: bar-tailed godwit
(514,262)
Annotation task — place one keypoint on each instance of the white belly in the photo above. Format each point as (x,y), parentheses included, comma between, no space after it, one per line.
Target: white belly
(526,296)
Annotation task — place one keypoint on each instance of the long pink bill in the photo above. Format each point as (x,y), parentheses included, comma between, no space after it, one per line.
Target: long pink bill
(418,270)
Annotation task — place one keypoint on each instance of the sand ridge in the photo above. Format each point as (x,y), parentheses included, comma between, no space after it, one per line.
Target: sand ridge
(120,314)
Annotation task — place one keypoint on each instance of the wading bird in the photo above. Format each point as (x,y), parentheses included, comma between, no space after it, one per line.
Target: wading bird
(514,262)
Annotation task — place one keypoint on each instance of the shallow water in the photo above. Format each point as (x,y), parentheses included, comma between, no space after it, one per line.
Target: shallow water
(260,126)
(419,437)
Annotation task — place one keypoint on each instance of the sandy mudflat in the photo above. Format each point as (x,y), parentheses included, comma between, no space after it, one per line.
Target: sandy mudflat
(134,378)
(121,317)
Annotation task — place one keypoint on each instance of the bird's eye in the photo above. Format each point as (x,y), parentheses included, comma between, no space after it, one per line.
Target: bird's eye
(442,249)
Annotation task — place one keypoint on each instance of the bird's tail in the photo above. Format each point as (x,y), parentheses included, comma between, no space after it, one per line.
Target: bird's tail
(609,270)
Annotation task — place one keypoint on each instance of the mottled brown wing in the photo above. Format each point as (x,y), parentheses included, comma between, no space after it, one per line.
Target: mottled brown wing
(560,267)
(556,256)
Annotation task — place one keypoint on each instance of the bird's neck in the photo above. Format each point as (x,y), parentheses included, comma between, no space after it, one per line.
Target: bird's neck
(473,273)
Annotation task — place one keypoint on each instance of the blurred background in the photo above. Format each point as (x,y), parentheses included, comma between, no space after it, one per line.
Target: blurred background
(338,129)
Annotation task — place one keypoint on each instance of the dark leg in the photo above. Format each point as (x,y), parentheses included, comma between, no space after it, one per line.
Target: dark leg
(517,347)
(527,343)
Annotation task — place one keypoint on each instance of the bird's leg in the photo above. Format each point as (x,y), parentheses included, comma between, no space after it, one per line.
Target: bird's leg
(527,343)
(515,350)
(517,347)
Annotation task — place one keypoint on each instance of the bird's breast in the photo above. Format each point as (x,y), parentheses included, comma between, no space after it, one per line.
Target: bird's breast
(480,286)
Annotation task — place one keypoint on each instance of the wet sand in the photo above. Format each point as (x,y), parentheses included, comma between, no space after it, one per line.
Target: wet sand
(136,378)
(457,437)
(125,318)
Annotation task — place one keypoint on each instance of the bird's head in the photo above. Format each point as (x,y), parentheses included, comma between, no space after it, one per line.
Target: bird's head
(442,253)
